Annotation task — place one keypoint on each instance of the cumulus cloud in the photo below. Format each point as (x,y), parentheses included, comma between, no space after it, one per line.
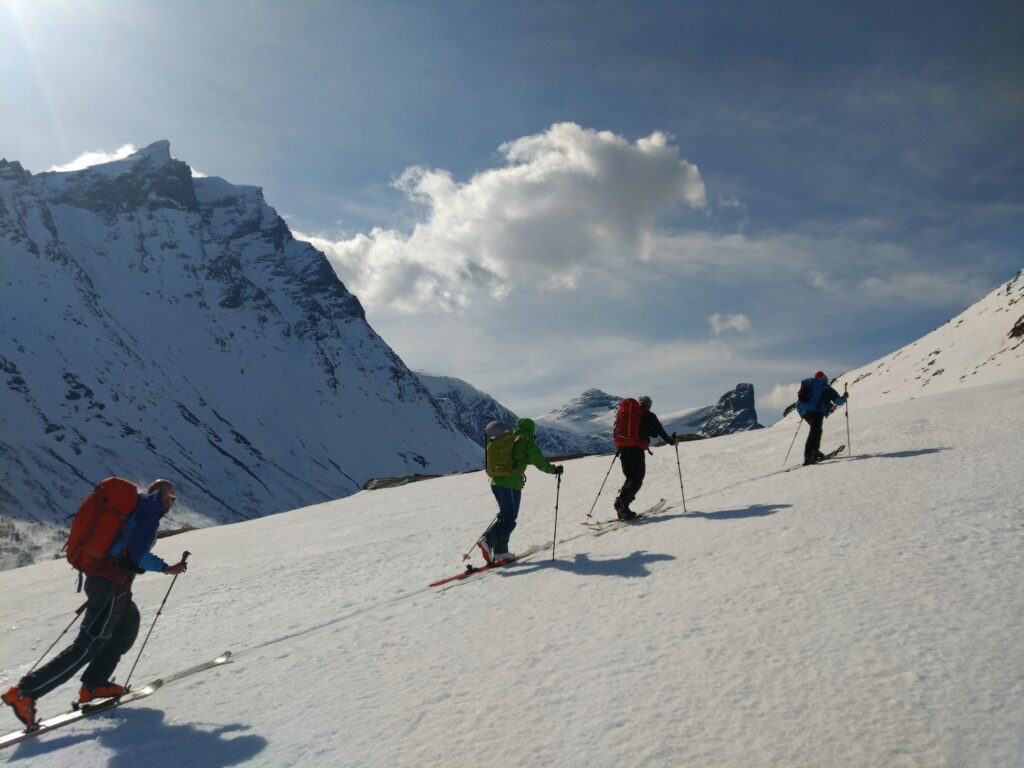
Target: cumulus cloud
(564,200)
(96,157)
(738,323)
(781,396)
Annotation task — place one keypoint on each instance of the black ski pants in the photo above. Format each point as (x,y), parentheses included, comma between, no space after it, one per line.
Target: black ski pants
(108,631)
(634,467)
(813,445)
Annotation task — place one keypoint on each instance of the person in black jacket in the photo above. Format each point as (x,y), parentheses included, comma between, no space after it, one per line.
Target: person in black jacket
(634,465)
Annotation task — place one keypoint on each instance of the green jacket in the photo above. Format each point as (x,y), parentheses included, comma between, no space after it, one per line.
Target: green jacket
(524,452)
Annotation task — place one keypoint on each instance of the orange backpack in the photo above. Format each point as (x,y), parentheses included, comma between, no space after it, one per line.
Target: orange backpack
(98,523)
(627,425)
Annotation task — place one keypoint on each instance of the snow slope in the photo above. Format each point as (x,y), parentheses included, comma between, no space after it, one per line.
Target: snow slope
(983,344)
(865,612)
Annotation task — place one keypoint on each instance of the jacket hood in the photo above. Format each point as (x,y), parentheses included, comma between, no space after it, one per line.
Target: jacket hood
(527,428)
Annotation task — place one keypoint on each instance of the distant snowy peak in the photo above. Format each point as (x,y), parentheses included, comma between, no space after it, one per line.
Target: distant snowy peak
(982,345)
(12,171)
(734,412)
(147,179)
(470,411)
(581,413)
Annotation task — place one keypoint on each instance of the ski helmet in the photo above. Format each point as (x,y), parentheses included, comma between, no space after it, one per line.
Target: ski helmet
(494,429)
(821,375)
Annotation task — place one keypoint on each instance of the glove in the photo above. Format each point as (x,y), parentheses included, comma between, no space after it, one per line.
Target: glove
(559,469)
(177,568)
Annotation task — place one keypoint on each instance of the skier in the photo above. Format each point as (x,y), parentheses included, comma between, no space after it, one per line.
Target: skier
(111,620)
(815,401)
(631,449)
(507,486)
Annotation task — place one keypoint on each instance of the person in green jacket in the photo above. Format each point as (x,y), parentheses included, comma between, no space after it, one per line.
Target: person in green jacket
(508,488)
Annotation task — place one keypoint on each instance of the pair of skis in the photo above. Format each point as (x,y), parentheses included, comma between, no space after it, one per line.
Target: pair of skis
(473,570)
(81,712)
(603,526)
(827,456)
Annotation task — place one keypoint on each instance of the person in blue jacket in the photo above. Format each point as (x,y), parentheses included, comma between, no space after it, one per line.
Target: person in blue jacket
(111,621)
(814,402)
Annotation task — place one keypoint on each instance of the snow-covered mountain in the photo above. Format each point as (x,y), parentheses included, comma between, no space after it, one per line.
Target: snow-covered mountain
(734,412)
(584,424)
(466,407)
(470,410)
(160,325)
(983,344)
(592,415)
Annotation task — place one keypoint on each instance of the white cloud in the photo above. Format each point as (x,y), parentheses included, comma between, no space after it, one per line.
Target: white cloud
(565,200)
(780,396)
(738,323)
(96,157)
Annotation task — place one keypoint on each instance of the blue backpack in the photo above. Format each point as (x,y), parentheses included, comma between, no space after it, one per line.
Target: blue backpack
(808,399)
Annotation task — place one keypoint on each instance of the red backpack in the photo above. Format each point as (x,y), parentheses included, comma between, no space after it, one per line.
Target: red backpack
(98,523)
(627,425)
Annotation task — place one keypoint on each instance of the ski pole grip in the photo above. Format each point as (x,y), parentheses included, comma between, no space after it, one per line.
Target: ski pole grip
(184,555)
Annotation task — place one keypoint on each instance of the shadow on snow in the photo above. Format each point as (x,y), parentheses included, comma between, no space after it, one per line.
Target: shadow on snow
(892,454)
(629,567)
(142,738)
(755,510)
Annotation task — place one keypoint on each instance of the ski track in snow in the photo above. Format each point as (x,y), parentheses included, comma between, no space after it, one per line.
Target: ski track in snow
(866,612)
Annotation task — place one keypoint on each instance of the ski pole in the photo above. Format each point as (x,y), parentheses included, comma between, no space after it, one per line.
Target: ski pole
(591,512)
(554,536)
(77,614)
(675,442)
(798,425)
(468,553)
(849,448)
(184,557)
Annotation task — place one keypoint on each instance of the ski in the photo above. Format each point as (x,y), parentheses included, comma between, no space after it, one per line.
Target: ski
(198,667)
(472,570)
(830,455)
(73,716)
(81,712)
(601,526)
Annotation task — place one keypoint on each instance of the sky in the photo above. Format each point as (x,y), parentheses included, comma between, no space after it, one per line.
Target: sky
(543,197)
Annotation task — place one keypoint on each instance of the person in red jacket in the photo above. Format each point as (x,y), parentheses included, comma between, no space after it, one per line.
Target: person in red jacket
(634,464)
(111,621)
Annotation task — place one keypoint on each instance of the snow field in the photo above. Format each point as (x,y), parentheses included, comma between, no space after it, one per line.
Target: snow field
(866,612)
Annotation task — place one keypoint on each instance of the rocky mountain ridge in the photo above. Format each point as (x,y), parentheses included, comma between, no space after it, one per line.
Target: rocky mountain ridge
(583,425)
(161,325)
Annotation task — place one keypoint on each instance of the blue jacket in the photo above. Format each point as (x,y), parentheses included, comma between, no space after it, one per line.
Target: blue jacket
(821,398)
(139,533)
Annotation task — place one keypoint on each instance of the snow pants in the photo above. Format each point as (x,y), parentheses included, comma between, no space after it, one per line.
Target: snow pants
(108,631)
(813,445)
(508,510)
(634,467)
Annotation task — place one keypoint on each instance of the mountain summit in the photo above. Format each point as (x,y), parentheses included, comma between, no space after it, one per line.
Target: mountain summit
(161,325)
